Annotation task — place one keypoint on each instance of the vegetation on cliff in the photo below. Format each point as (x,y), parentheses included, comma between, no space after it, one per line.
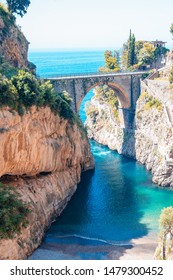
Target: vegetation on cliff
(171,76)
(140,54)
(150,102)
(8,21)
(136,55)
(24,90)
(165,248)
(111,62)
(19,88)
(106,95)
(18,7)
(13,212)
(131,51)
(13,44)
(171,29)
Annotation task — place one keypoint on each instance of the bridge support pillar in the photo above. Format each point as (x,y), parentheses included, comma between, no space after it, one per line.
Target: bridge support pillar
(127,117)
(125,85)
(135,90)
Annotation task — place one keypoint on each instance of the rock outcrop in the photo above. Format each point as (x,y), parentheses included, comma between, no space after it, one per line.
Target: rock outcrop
(48,154)
(151,139)
(13,44)
(38,142)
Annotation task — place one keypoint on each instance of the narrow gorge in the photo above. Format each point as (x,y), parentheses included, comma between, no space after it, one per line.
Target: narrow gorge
(50,208)
(150,139)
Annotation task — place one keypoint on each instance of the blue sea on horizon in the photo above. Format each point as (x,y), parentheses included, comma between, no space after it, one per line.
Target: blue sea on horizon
(52,64)
(115,203)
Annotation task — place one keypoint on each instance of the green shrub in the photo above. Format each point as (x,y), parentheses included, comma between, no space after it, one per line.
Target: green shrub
(63,108)
(48,93)
(166,219)
(171,76)
(116,115)
(108,95)
(143,95)
(28,89)
(13,212)
(151,102)
(8,70)
(66,97)
(24,91)
(166,227)
(91,109)
(154,103)
(8,94)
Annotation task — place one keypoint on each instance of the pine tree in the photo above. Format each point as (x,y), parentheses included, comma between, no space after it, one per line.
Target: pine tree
(131,51)
(171,29)
(129,57)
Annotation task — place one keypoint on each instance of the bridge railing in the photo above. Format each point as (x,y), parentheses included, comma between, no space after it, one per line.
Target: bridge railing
(98,74)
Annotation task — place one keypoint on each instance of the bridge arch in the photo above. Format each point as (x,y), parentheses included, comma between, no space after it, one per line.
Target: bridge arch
(125,85)
(122,95)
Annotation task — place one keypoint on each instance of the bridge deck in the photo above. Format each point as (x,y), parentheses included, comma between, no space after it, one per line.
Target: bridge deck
(94,75)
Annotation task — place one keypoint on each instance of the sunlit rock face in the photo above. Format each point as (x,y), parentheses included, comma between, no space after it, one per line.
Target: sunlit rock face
(48,154)
(13,44)
(150,141)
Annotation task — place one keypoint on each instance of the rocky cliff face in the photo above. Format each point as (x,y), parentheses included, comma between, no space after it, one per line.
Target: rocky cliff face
(48,154)
(103,127)
(151,139)
(13,44)
(40,142)
(154,131)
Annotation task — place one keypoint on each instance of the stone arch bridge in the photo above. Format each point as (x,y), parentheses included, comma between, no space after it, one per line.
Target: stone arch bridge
(125,85)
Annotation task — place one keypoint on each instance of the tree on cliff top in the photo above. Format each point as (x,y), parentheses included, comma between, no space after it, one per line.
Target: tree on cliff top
(18,7)
(171,29)
(131,51)
(111,62)
(166,226)
(166,220)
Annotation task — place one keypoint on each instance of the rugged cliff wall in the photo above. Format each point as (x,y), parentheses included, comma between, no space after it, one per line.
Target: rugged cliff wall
(13,44)
(48,153)
(42,154)
(151,139)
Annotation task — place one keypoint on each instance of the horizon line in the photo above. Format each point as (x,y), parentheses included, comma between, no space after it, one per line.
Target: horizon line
(75,49)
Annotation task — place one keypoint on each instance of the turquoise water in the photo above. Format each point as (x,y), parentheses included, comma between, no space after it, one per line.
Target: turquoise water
(52,64)
(114,203)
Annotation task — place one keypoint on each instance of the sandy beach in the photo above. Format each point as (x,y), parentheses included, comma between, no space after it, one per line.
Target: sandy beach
(139,249)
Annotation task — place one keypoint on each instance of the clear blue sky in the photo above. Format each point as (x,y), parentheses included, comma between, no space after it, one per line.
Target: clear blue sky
(95,23)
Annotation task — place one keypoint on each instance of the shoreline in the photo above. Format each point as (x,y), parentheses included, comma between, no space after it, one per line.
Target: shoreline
(138,249)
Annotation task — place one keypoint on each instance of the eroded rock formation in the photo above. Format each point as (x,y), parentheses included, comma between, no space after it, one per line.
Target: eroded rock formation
(48,154)
(13,44)
(151,139)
